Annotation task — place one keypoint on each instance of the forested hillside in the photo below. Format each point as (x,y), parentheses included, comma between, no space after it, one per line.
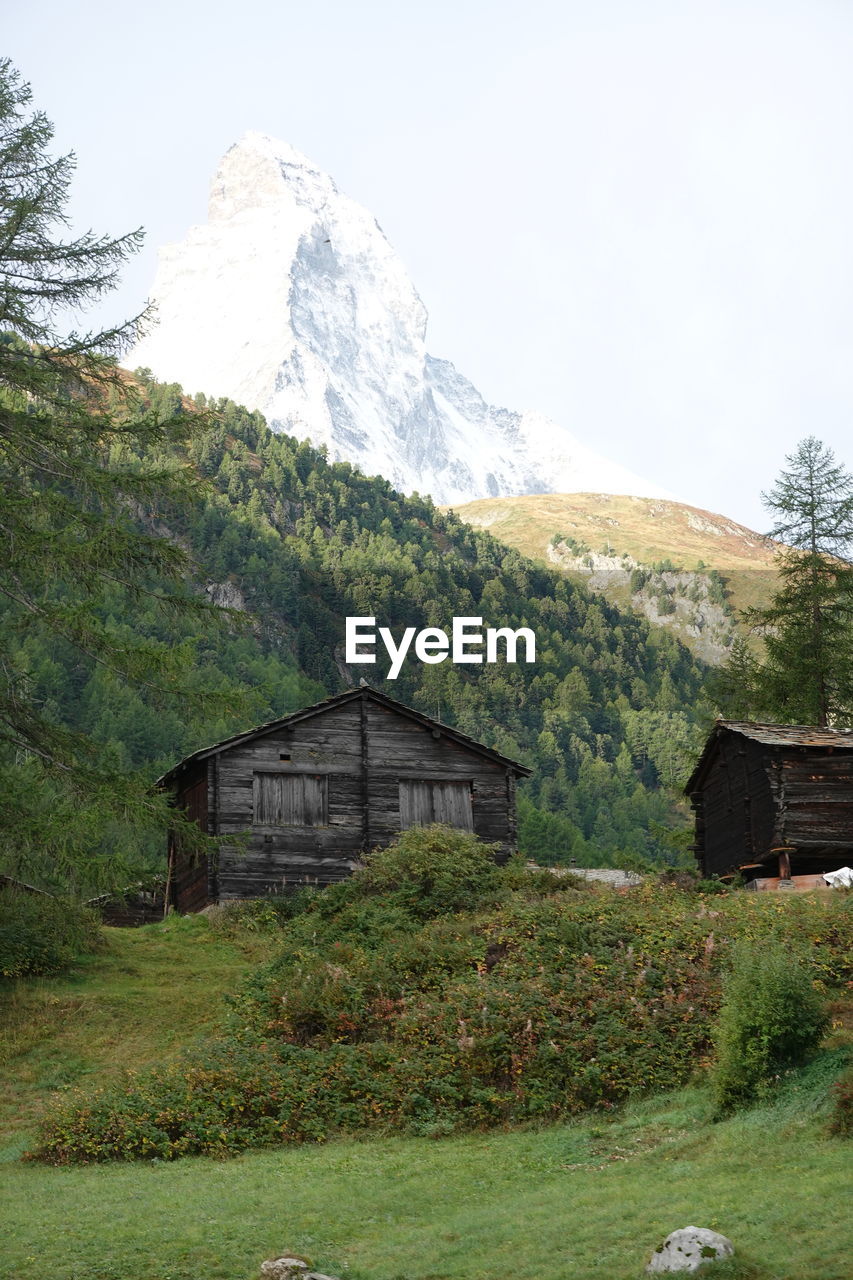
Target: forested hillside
(608,716)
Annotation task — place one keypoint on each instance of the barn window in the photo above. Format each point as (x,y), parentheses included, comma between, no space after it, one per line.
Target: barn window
(424,802)
(291,800)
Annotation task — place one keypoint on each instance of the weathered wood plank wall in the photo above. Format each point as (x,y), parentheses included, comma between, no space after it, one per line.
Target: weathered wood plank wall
(359,767)
(758,800)
(304,799)
(188,884)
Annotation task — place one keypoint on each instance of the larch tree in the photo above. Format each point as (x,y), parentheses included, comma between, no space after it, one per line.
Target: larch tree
(79,501)
(806,674)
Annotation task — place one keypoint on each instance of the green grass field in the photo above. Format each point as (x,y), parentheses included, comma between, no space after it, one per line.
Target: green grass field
(146,995)
(590,1199)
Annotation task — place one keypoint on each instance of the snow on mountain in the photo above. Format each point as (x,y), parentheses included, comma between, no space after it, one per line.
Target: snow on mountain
(290,300)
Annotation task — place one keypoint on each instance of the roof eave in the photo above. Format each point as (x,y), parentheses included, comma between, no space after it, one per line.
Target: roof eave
(427,722)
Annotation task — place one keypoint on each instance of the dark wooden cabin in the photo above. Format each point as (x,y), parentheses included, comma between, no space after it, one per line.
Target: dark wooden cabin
(313,792)
(773,800)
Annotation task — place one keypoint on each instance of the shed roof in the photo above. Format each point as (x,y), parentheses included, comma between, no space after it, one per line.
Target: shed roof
(773,735)
(350,695)
(784,735)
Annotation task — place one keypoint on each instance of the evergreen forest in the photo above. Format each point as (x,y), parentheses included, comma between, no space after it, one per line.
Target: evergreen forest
(609,716)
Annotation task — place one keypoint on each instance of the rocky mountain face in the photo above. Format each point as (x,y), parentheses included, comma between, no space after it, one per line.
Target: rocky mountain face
(290,300)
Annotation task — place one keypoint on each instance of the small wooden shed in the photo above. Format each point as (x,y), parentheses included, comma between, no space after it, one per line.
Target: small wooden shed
(773,800)
(313,792)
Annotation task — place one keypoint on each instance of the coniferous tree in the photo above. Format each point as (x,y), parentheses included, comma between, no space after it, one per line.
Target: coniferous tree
(74,485)
(736,686)
(806,676)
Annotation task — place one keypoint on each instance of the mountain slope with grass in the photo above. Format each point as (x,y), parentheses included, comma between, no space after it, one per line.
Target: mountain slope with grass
(685,569)
(106,1015)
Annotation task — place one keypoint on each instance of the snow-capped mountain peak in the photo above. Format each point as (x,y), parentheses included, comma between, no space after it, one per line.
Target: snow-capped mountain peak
(291,300)
(260,170)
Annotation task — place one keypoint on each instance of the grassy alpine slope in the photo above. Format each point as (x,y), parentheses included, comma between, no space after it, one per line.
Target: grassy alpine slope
(647,529)
(142,996)
(582,1201)
(568,1201)
(684,568)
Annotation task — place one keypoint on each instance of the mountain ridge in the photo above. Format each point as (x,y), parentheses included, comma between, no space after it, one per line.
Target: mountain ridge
(590,513)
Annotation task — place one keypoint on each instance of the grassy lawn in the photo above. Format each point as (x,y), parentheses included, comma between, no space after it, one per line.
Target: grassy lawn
(567,1202)
(585,1200)
(147,994)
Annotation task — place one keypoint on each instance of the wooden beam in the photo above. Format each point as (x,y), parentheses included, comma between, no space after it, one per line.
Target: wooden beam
(784,861)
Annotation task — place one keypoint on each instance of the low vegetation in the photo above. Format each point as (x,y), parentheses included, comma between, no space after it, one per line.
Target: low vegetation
(434,993)
(772,1018)
(841,1122)
(430,924)
(42,935)
(141,998)
(586,1200)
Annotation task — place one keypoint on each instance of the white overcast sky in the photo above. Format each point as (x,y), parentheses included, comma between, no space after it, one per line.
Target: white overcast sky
(636,217)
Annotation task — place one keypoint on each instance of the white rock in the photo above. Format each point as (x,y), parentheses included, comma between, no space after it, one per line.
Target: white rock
(688,1248)
(285,1268)
(290,1268)
(290,300)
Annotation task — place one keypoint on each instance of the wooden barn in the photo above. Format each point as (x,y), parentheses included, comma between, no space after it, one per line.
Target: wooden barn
(313,792)
(773,801)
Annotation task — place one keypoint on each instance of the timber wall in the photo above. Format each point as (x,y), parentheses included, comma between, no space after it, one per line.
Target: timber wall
(816,801)
(363,751)
(189,878)
(756,799)
(735,809)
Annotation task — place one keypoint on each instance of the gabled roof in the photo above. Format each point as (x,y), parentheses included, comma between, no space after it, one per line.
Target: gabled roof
(339,699)
(772,735)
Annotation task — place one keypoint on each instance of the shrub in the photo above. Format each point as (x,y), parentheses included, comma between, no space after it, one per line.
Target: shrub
(42,935)
(259,915)
(216,1103)
(539,1002)
(717,886)
(771,1019)
(431,871)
